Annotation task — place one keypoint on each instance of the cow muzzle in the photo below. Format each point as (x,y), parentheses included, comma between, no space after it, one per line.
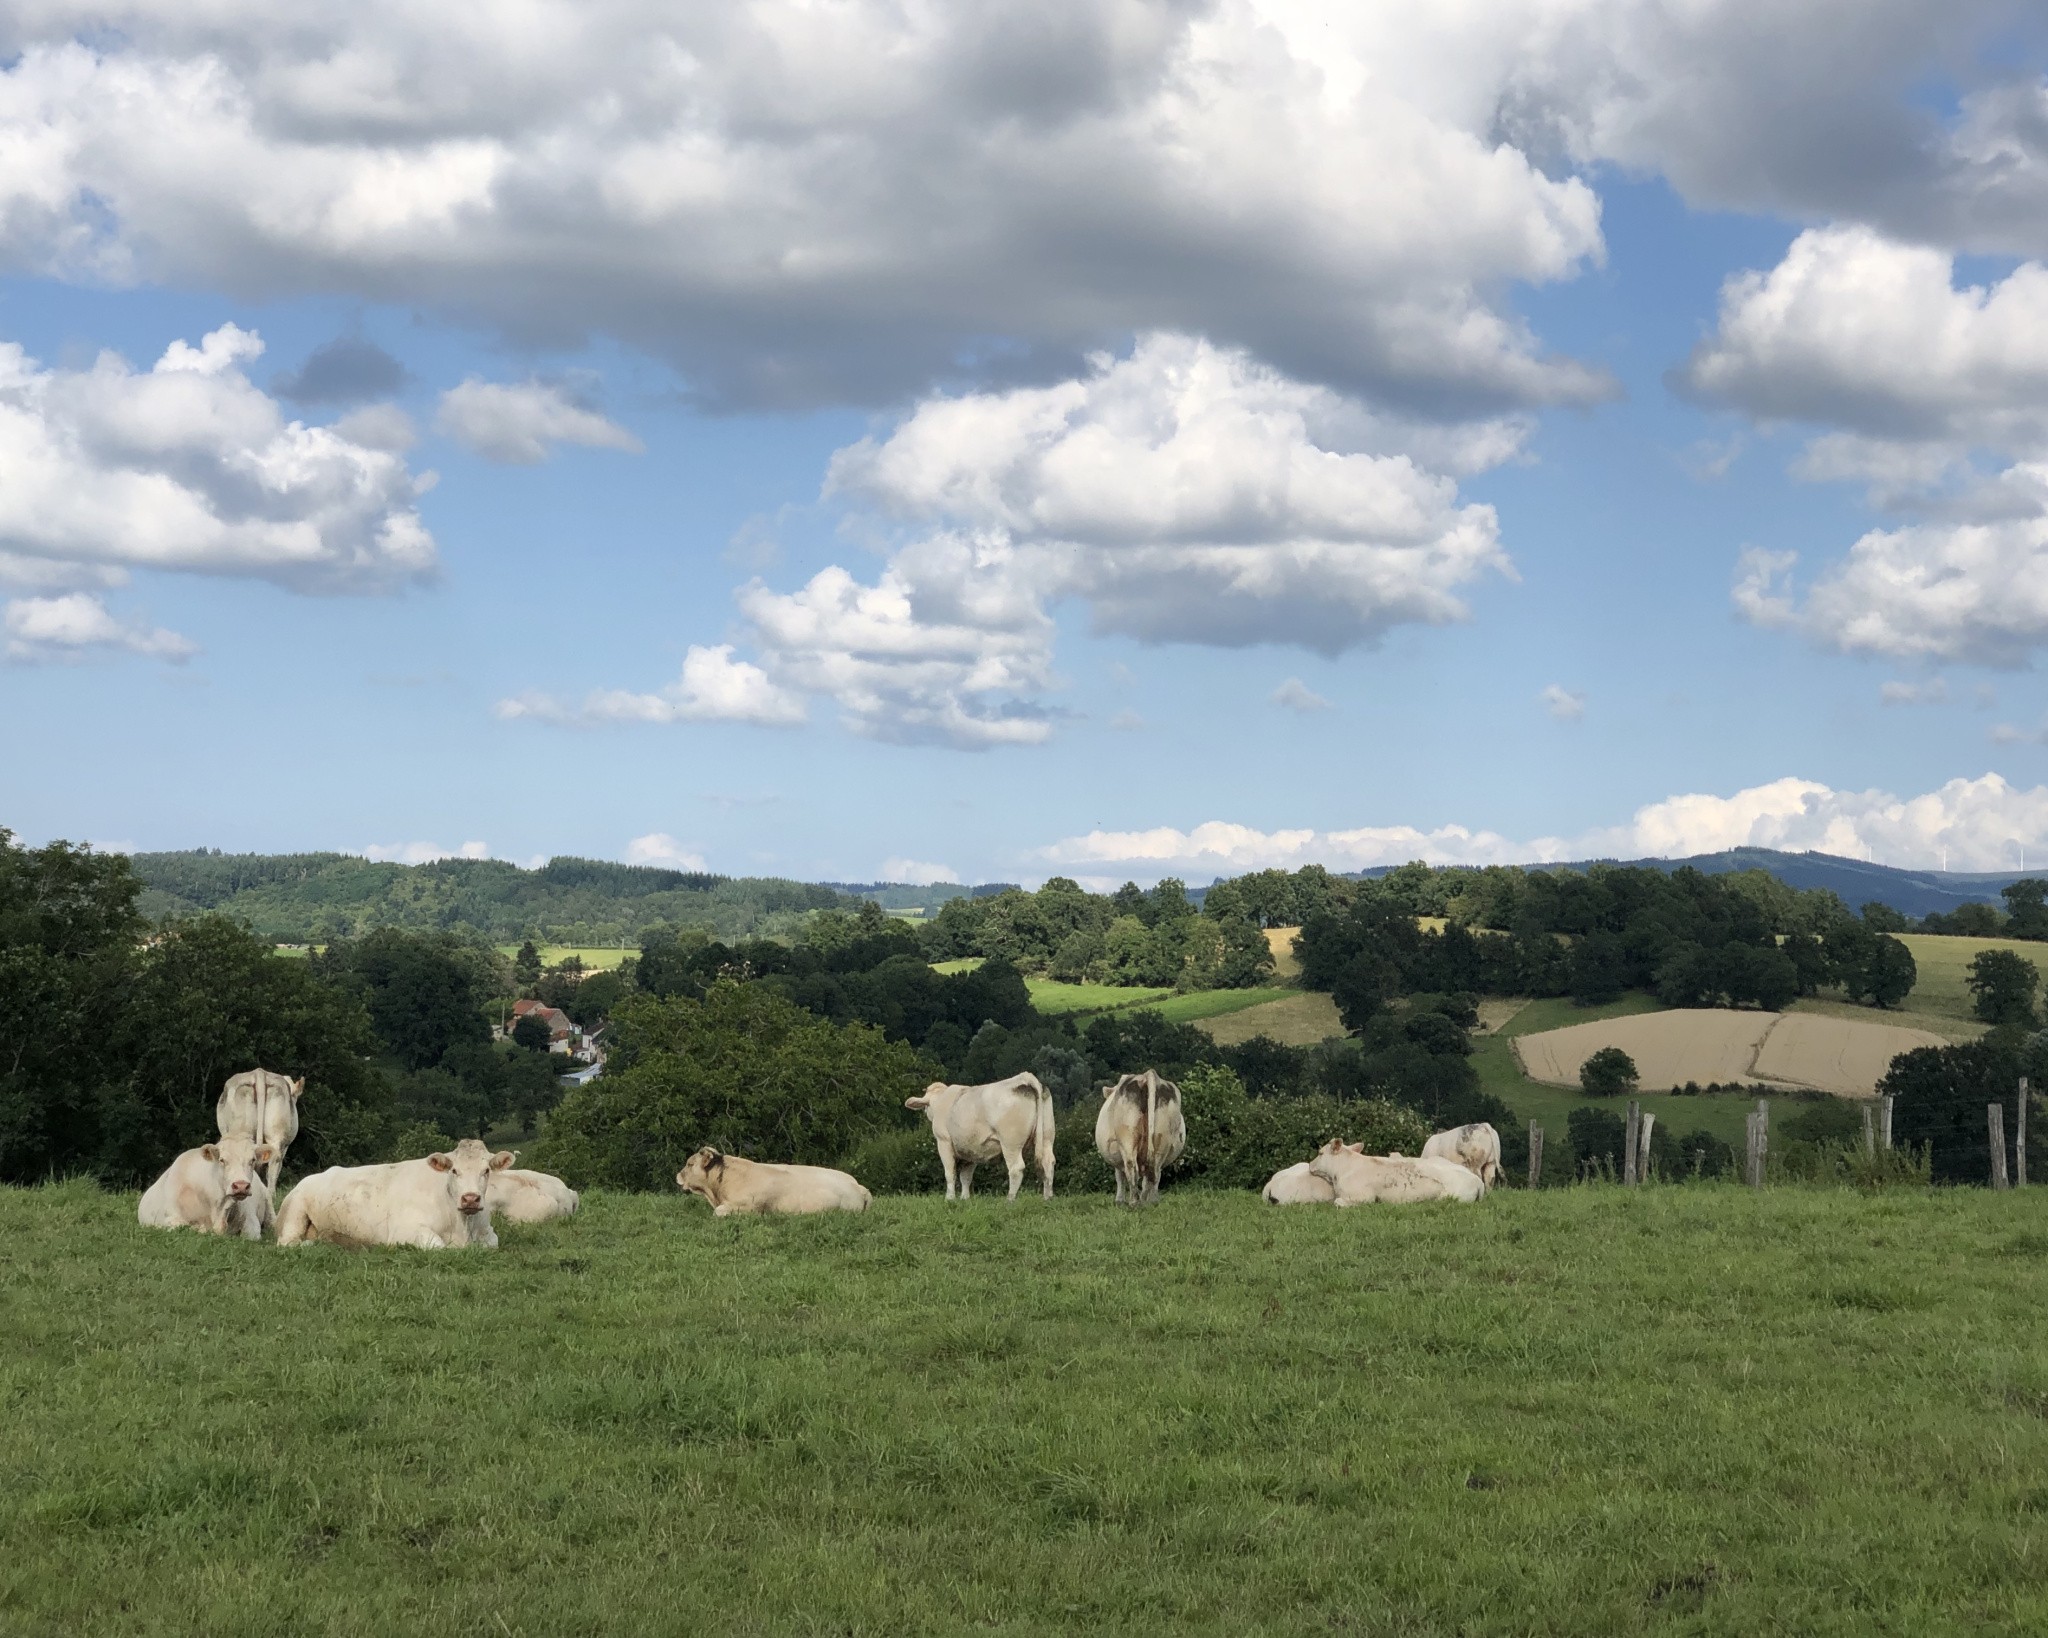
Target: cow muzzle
(239,1189)
(472,1204)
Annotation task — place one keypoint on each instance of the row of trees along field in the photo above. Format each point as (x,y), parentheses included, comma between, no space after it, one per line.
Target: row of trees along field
(318,897)
(1694,940)
(1129,937)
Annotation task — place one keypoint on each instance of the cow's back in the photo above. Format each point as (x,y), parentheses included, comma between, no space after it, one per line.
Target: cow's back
(530,1197)
(1297,1186)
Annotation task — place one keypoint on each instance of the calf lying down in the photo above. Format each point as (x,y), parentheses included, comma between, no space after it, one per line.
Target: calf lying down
(1297,1186)
(1357,1178)
(530,1197)
(732,1185)
(217,1188)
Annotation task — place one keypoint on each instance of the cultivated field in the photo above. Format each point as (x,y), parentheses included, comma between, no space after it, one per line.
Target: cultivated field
(1713,1044)
(1696,1410)
(1286,964)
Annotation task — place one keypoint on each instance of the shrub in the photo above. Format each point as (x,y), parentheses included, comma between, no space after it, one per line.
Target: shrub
(905,1162)
(1236,1141)
(1608,1073)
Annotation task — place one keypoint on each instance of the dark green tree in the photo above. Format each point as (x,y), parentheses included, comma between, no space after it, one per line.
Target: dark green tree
(1608,1073)
(532,1033)
(743,1070)
(2004,984)
(526,964)
(2026,904)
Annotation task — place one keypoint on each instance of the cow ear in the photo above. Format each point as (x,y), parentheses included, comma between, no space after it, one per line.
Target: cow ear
(917,1103)
(298,1086)
(209,1151)
(441,1163)
(502,1159)
(264,1154)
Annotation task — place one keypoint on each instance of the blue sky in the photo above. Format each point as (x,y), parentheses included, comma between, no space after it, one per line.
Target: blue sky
(904,460)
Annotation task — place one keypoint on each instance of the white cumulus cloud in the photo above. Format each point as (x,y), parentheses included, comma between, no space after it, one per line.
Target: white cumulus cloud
(1296,695)
(916,872)
(515,422)
(660,848)
(423,852)
(75,625)
(1562,703)
(1976,824)
(189,466)
(714,687)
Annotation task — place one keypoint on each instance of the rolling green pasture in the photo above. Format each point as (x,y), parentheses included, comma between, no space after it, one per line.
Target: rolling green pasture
(1186,1009)
(1943,965)
(1052,997)
(1697,1410)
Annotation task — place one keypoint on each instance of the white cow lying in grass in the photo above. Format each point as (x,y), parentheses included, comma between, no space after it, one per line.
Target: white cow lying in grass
(1297,1185)
(530,1197)
(1476,1147)
(731,1185)
(217,1188)
(975,1123)
(1359,1179)
(437,1203)
(1140,1131)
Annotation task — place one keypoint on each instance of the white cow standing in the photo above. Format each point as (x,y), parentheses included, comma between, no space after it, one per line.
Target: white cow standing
(263,1106)
(1475,1146)
(217,1188)
(976,1123)
(1140,1131)
(731,1184)
(1297,1185)
(1358,1179)
(437,1203)
(531,1197)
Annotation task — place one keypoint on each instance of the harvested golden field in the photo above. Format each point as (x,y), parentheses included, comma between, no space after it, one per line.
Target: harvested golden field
(1286,964)
(1838,1055)
(1302,1019)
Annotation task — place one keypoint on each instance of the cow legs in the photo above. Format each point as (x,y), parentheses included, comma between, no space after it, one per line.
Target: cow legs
(946,1165)
(1014,1162)
(967,1180)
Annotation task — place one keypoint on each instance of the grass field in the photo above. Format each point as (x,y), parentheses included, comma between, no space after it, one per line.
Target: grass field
(1052,997)
(1695,1410)
(1295,1018)
(597,957)
(1943,963)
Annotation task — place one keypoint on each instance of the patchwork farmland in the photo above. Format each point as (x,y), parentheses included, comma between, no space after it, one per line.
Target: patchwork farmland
(1788,1050)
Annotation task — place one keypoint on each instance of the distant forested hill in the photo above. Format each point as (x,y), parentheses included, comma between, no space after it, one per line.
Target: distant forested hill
(315,897)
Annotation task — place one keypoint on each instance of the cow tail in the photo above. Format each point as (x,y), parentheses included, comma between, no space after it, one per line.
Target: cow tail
(1044,1135)
(1151,1144)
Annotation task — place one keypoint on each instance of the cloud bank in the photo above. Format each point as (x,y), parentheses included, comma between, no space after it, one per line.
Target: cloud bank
(1980,824)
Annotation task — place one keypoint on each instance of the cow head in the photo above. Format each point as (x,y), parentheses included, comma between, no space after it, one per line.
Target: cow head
(468,1169)
(700,1172)
(924,1102)
(238,1158)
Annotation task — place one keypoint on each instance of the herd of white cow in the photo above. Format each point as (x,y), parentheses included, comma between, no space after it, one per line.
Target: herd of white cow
(448,1200)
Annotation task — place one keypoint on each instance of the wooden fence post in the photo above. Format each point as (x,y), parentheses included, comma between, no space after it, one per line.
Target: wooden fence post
(1628,1144)
(2019,1139)
(1994,1116)
(1763,1139)
(1643,1131)
(1869,1130)
(1749,1149)
(1889,1100)
(1535,1155)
